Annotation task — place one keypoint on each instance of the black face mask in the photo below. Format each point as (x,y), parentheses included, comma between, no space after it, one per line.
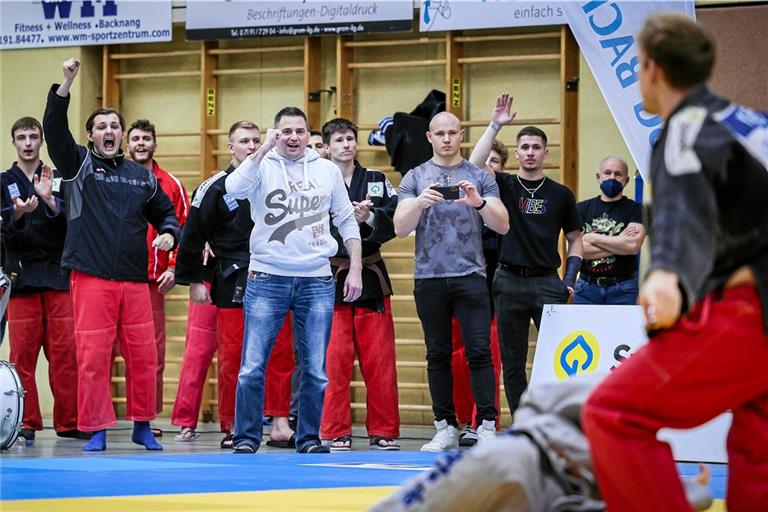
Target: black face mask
(611,187)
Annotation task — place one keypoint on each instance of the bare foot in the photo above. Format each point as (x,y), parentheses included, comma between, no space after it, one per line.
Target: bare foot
(704,475)
(280,429)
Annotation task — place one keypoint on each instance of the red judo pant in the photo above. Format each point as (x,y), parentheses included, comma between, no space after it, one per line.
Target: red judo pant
(158,319)
(229,338)
(198,355)
(371,335)
(277,397)
(157,300)
(463,401)
(44,320)
(712,360)
(105,310)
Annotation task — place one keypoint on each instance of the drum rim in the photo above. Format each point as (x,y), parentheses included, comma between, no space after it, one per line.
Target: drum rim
(16,430)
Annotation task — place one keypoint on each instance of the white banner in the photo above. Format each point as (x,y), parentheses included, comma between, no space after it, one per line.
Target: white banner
(40,23)
(576,339)
(472,14)
(605,32)
(234,19)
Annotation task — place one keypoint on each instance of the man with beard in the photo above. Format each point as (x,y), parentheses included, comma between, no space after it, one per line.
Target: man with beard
(142,144)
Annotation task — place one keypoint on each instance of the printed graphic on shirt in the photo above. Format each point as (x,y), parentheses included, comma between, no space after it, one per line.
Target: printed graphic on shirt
(13,190)
(203,188)
(231,202)
(531,206)
(750,127)
(309,208)
(376,189)
(391,191)
(56,184)
(684,127)
(604,225)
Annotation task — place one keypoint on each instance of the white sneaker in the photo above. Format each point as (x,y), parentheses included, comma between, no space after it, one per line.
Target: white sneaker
(446,438)
(486,432)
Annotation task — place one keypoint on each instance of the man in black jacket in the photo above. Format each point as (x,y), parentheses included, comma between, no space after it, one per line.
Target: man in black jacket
(109,200)
(706,291)
(40,309)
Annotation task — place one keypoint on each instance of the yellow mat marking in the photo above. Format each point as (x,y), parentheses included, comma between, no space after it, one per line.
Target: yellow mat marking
(341,499)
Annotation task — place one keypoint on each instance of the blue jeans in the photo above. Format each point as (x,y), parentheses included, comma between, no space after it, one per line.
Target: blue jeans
(267,300)
(623,292)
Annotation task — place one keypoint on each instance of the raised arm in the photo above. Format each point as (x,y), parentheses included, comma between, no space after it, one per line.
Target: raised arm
(501,115)
(243,180)
(64,151)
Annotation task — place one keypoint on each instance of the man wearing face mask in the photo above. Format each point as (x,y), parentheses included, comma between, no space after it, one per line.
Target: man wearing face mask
(613,233)
(109,200)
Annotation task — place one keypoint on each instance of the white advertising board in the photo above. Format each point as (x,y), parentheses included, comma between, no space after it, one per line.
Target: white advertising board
(476,14)
(40,23)
(235,19)
(576,339)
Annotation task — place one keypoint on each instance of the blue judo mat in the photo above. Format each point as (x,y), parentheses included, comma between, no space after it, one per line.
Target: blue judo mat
(101,476)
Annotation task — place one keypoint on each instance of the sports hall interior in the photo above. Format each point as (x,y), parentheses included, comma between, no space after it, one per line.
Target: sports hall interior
(193,91)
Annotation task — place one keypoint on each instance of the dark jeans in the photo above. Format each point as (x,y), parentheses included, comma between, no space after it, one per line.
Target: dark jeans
(519,300)
(437,300)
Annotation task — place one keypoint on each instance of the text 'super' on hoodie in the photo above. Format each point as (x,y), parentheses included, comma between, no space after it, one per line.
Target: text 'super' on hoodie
(290,205)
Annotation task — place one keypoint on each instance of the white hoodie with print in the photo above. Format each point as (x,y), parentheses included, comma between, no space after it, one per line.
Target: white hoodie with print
(290,205)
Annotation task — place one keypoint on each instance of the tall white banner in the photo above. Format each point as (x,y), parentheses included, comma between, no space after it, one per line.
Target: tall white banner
(474,14)
(41,23)
(577,339)
(235,19)
(605,32)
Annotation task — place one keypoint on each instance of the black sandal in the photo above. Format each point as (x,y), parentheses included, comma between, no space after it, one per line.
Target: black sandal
(383,443)
(226,443)
(315,448)
(245,448)
(344,444)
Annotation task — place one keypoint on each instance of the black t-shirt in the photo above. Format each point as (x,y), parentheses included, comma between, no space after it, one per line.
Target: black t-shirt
(535,221)
(610,218)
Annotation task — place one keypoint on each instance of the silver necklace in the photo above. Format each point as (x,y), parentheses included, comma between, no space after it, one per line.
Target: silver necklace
(530,190)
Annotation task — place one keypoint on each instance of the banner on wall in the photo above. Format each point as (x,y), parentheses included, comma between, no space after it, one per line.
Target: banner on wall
(577,339)
(236,19)
(438,15)
(605,32)
(41,23)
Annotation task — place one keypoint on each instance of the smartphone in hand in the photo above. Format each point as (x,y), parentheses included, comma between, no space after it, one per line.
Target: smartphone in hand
(451,192)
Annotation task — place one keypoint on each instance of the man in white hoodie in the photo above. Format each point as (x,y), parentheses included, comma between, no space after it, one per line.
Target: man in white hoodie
(292,192)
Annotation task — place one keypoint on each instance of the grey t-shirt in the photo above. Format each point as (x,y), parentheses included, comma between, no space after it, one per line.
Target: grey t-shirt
(448,236)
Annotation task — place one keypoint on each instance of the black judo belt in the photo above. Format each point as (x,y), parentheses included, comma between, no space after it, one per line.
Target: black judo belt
(239,290)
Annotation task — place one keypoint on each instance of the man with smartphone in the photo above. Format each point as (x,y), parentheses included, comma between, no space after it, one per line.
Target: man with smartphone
(446,200)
